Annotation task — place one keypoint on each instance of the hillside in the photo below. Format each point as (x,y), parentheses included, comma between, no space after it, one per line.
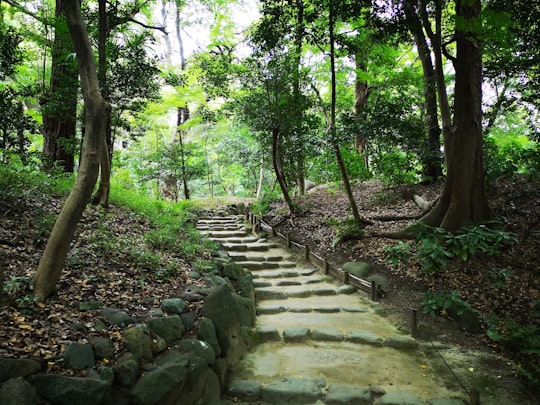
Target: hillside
(504,288)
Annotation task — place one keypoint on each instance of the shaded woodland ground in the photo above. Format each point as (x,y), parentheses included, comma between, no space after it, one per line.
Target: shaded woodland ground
(111,261)
(504,289)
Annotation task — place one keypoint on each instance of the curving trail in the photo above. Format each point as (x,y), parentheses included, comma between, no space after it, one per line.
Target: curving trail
(320,342)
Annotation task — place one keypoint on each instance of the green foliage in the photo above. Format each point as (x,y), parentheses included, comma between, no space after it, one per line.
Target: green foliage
(397,253)
(437,246)
(437,303)
(346,230)
(395,168)
(498,277)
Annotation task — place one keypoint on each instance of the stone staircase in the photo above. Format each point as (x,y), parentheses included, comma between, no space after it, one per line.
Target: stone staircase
(319,342)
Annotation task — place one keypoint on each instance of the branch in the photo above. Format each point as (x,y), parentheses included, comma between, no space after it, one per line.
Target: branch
(150,27)
(23,10)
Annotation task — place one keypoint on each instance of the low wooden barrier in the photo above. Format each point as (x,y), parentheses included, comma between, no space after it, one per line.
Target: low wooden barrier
(343,277)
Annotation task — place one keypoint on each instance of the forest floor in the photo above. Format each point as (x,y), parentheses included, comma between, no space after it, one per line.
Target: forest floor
(513,299)
(111,262)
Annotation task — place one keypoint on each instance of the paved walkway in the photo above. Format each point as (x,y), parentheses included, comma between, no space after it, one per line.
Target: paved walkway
(320,342)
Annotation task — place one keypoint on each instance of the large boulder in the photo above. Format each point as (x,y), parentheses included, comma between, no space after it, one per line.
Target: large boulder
(11,368)
(207,333)
(61,390)
(162,385)
(223,309)
(169,328)
(17,391)
(358,269)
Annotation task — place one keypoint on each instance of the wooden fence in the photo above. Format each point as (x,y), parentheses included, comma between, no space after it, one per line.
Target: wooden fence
(343,277)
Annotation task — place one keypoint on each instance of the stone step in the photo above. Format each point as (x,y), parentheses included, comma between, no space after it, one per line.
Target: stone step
(221,235)
(254,256)
(282,273)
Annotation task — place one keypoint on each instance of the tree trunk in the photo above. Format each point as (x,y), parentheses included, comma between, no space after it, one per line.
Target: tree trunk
(361,91)
(60,104)
(463,199)
(182,117)
(432,160)
(344,176)
(277,170)
(101,196)
(50,266)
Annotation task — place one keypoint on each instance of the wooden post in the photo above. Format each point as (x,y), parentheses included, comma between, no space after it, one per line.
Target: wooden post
(414,323)
(306,253)
(474,397)
(288,239)
(326,267)
(272,232)
(345,277)
(374,291)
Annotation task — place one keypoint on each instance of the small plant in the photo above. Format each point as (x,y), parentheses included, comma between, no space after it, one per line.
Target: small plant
(479,238)
(498,277)
(397,253)
(348,230)
(433,256)
(438,303)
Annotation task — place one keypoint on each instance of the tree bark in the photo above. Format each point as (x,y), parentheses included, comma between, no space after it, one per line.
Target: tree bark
(432,161)
(344,176)
(361,91)
(60,104)
(50,266)
(463,199)
(277,170)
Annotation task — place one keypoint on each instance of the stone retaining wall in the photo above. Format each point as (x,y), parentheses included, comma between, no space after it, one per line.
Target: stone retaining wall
(160,366)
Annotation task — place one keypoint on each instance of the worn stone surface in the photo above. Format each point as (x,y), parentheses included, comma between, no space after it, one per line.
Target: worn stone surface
(161,385)
(401,342)
(90,305)
(245,390)
(268,333)
(169,328)
(62,390)
(174,305)
(198,348)
(292,390)
(207,333)
(103,347)
(17,391)
(448,402)
(139,343)
(359,269)
(327,334)
(296,334)
(11,368)
(222,308)
(79,356)
(365,337)
(126,370)
(399,398)
(343,394)
(117,316)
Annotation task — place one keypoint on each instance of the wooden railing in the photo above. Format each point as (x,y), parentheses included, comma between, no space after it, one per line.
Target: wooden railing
(369,287)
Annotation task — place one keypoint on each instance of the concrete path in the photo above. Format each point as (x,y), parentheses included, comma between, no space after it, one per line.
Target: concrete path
(320,342)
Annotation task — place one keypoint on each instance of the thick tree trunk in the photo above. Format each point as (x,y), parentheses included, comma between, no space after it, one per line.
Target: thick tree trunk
(463,199)
(60,104)
(432,160)
(50,266)
(277,170)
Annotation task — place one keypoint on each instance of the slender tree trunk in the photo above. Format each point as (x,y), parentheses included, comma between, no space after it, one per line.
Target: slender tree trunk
(464,199)
(361,90)
(182,117)
(345,177)
(277,169)
(59,106)
(261,179)
(50,266)
(436,41)
(432,159)
(102,194)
